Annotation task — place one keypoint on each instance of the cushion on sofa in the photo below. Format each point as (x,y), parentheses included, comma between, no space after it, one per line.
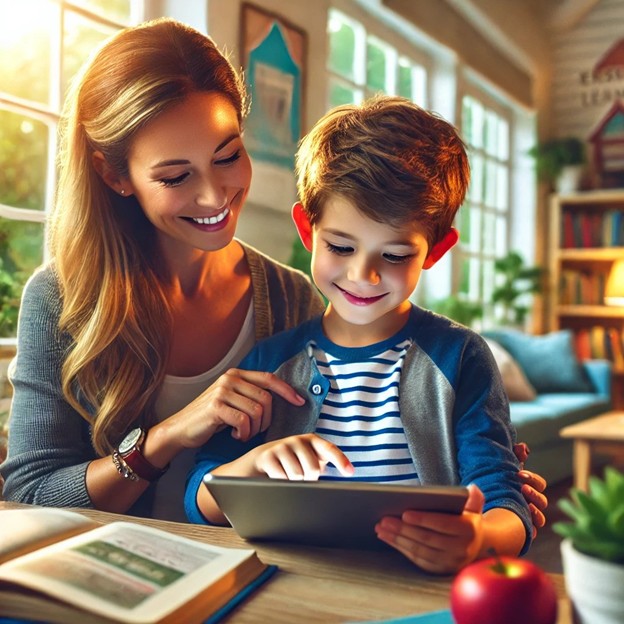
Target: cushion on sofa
(549,361)
(516,384)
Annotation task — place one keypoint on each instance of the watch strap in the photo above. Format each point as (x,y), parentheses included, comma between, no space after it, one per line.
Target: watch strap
(139,465)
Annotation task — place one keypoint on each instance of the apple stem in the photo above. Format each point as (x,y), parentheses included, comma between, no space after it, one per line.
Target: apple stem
(498,566)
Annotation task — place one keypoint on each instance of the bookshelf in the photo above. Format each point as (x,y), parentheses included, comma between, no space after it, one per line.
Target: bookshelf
(586,237)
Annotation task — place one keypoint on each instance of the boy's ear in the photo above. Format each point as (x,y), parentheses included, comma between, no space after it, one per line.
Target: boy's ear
(441,247)
(111,178)
(303,225)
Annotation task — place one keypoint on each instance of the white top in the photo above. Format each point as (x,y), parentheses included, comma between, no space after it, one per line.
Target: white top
(178,392)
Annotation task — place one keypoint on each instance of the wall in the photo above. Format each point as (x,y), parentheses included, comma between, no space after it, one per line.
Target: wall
(579,98)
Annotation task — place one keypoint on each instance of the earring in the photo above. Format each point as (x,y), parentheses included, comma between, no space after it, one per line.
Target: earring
(123,191)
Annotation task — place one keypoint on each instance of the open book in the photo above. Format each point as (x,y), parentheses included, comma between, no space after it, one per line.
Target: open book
(58,566)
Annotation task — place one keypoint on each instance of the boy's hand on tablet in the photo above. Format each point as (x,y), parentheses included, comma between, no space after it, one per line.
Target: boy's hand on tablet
(437,542)
(298,458)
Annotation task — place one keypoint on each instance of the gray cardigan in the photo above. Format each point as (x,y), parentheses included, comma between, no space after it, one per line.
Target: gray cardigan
(49,442)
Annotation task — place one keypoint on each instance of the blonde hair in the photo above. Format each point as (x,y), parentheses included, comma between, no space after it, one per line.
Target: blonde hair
(396,162)
(102,245)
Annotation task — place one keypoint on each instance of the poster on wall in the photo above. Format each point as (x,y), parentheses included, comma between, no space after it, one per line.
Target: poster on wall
(273,56)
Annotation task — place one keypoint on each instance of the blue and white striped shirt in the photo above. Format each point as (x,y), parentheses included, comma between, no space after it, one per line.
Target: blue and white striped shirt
(361,415)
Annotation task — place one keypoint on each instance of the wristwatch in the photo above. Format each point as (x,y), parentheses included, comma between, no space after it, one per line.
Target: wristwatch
(130,452)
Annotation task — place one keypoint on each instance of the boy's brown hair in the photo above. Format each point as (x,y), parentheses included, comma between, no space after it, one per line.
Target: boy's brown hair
(396,162)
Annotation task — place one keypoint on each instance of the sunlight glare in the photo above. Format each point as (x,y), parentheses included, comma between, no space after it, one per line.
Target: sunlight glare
(24,18)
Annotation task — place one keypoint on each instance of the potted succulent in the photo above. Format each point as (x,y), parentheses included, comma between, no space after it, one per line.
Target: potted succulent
(560,162)
(593,549)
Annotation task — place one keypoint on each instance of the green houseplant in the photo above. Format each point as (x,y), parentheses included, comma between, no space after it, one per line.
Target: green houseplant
(458,309)
(555,156)
(593,549)
(516,282)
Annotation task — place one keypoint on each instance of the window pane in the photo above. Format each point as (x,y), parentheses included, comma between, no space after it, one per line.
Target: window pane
(501,237)
(419,78)
(81,36)
(490,181)
(404,79)
(491,133)
(23,161)
(476,179)
(341,46)
(118,10)
(502,187)
(474,281)
(375,65)
(503,139)
(25,40)
(489,232)
(462,222)
(342,94)
(472,122)
(464,279)
(21,252)
(488,279)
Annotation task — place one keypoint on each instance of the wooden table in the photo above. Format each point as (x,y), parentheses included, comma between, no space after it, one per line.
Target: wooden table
(325,585)
(602,434)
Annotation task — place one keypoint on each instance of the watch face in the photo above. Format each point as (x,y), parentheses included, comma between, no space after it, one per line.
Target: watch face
(129,442)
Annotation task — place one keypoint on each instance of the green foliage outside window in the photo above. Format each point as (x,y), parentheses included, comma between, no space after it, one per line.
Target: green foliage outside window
(27,32)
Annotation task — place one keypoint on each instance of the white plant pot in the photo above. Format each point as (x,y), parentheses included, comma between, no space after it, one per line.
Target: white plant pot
(595,587)
(569,180)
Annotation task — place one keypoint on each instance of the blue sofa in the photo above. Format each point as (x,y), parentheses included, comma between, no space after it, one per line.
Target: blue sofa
(566,391)
(538,422)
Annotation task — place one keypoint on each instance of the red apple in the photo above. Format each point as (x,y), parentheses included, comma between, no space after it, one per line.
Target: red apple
(503,590)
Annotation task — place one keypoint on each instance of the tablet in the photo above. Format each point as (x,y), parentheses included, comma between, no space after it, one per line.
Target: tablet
(322,513)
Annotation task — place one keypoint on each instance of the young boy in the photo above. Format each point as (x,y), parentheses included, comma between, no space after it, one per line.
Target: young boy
(393,393)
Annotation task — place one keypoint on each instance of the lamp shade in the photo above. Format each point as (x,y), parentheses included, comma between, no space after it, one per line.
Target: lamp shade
(614,290)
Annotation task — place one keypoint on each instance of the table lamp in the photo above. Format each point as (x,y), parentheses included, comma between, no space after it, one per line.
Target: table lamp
(614,290)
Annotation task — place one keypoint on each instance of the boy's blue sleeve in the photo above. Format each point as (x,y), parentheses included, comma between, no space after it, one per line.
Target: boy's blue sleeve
(484,436)
(220,449)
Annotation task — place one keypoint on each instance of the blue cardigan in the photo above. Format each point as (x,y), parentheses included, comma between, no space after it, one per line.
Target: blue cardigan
(453,408)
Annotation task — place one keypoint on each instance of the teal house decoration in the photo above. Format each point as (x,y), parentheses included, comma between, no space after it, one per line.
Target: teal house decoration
(608,142)
(274,53)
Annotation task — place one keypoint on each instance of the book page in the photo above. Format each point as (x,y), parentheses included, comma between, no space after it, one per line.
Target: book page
(125,571)
(24,530)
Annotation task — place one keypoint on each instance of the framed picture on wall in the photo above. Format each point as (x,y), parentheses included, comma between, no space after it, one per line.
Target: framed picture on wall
(273,53)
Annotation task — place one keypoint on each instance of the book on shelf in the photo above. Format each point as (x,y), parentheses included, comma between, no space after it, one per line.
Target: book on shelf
(58,566)
(584,229)
(599,342)
(617,348)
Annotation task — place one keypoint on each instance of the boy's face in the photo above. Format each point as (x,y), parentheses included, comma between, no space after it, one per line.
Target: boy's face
(366,269)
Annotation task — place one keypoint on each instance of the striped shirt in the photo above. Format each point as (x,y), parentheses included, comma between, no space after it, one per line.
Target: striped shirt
(361,415)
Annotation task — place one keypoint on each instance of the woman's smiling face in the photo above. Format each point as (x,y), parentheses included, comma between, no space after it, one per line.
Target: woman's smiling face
(190,172)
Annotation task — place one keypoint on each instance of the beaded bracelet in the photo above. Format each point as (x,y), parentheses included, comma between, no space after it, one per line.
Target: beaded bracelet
(123,469)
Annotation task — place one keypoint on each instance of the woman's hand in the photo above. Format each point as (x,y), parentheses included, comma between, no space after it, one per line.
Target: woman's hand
(533,488)
(239,399)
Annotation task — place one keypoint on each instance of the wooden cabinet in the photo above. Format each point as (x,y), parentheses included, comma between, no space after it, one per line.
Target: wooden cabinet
(587,236)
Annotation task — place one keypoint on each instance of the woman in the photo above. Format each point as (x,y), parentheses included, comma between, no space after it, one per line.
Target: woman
(127,339)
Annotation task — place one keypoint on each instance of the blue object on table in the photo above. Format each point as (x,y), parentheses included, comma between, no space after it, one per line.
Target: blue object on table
(434,617)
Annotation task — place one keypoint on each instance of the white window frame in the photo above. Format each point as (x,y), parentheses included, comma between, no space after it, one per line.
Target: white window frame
(482,283)
(400,50)
(49,113)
